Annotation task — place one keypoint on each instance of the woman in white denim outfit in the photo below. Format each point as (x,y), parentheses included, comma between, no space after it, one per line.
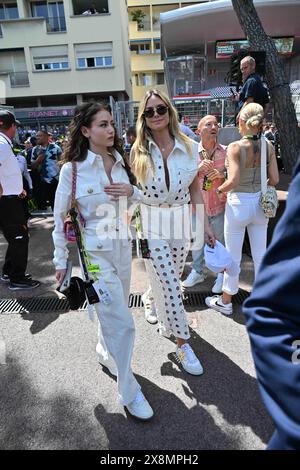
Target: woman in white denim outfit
(165,163)
(242,208)
(103,176)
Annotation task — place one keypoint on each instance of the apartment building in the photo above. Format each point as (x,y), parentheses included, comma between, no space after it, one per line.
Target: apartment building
(55,54)
(147,69)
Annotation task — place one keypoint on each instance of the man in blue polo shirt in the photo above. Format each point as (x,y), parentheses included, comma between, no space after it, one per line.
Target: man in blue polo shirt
(253,90)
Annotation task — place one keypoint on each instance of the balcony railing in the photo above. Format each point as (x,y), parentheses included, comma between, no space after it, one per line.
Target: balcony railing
(18,79)
(56,24)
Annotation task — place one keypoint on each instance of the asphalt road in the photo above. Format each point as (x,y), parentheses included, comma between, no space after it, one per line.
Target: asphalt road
(54,394)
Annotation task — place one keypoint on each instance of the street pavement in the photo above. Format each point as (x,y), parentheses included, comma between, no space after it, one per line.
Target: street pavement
(55,395)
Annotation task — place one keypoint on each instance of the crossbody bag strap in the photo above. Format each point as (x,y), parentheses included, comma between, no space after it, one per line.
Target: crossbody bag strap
(74,179)
(263,163)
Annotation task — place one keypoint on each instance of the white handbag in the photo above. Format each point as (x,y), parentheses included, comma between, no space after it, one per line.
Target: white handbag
(268,200)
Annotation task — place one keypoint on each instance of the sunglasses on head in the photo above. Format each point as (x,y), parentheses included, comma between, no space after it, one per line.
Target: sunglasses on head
(161,109)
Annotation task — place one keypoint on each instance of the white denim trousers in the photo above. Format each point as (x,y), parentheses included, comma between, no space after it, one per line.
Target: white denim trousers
(242,211)
(116,330)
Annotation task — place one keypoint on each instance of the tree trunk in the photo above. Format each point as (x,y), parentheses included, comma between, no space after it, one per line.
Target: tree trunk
(279,88)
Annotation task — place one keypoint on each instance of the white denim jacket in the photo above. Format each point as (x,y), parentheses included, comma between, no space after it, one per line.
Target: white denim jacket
(182,169)
(103,219)
(163,209)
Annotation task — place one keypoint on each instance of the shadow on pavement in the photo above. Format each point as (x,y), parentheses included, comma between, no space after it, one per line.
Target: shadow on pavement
(224,405)
(31,421)
(218,409)
(194,312)
(173,427)
(225,386)
(40,321)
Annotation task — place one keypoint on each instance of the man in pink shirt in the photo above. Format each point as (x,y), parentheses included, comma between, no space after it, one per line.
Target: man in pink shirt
(211,174)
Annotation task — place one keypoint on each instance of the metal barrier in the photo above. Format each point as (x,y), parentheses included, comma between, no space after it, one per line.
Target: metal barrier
(125,112)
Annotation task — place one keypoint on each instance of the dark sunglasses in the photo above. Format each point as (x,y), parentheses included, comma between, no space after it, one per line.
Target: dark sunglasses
(160,109)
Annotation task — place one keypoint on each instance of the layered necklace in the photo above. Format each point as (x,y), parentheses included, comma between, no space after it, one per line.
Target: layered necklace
(251,137)
(107,155)
(166,147)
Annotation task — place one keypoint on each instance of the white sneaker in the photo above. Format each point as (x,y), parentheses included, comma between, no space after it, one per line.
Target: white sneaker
(216,303)
(218,285)
(193,279)
(150,309)
(140,407)
(189,361)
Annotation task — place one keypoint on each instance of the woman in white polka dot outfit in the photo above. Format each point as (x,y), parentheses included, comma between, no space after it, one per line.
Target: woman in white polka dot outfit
(165,163)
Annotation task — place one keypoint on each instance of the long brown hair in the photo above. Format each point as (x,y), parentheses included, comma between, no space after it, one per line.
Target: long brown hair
(140,153)
(77,145)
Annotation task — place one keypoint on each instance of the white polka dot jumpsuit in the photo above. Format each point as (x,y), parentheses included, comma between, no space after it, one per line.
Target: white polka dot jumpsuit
(166,224)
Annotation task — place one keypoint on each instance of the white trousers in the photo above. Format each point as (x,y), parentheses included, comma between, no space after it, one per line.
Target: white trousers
(116,330)
(242,211)
(168,233)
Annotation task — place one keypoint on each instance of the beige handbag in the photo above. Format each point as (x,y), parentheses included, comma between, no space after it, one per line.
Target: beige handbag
(268,199)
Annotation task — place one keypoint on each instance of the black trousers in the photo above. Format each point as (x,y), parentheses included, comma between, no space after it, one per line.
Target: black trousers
(37,189)
(14,227)
(25,199)
(48,191)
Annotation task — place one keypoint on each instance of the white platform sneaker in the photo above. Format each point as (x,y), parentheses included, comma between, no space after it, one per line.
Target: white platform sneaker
(150,309)
(140,407)
(188,359)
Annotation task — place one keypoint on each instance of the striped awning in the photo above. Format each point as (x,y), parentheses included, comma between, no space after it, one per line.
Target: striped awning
(135,41)
(219,92)
(223,92)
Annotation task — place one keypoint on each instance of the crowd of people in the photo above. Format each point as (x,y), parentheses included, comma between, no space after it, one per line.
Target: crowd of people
(57,133)
(183,189)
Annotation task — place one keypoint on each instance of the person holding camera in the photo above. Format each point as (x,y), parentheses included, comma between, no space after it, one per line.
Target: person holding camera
(103,178)
(253,89)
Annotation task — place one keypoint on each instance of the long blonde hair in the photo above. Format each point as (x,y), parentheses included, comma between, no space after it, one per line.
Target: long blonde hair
(140,152)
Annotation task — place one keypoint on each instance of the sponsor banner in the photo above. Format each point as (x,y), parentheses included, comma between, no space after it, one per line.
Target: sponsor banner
(45,113)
